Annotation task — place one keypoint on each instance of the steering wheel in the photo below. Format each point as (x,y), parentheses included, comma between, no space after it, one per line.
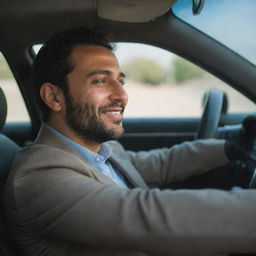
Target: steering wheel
(215,103)
(249,126)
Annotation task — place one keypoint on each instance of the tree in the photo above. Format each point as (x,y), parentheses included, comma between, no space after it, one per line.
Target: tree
(145,71)
(184,70)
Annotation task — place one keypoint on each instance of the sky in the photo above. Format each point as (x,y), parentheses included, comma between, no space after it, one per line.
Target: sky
(231,22)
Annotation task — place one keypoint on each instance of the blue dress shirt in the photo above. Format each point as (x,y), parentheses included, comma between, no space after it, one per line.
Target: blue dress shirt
(98,160)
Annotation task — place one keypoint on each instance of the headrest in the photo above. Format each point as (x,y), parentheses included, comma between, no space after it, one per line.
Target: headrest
(3,108)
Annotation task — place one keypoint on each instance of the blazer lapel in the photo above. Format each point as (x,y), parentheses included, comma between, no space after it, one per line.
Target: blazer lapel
(128,170)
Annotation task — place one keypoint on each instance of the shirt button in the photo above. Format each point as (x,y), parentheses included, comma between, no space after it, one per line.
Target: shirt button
(97,159)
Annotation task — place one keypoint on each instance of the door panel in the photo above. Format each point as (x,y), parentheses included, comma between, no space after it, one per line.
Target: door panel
(150,133)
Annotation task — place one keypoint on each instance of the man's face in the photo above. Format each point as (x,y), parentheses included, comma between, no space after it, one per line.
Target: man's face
(96,99)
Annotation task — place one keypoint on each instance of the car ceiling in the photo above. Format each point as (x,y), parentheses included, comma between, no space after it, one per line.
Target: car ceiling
(27,17)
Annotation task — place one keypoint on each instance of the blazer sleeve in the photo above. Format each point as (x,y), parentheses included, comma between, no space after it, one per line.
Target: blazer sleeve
(56,201)
(162,166)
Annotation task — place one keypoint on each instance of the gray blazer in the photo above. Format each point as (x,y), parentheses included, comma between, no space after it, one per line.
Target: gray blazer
(57,204)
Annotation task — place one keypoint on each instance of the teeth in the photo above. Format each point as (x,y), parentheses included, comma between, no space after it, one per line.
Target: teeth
(114,112)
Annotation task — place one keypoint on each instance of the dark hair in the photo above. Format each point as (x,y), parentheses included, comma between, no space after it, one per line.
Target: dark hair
(52,62)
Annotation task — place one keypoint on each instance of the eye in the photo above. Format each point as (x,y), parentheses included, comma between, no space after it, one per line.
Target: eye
(99,81)
(122,81)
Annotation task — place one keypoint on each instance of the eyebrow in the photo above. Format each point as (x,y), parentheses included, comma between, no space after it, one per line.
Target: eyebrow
(104,72)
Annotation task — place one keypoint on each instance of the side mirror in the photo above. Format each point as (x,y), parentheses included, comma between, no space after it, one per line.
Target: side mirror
(198,6)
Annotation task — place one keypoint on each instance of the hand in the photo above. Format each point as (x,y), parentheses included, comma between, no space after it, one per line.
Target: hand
(242,151)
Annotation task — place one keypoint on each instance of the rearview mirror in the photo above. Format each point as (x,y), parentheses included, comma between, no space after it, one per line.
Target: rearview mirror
(198,6)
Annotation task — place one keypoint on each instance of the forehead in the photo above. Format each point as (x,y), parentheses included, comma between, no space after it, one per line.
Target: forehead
(91,55)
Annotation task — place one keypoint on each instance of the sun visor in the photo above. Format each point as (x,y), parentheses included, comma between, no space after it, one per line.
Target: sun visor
(133,10)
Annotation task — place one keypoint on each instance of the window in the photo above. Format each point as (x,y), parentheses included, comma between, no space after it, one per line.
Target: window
(17,111)
(230,22)
(161,84)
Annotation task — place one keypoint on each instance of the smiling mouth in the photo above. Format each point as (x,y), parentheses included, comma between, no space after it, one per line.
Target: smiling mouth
(114,114)
(113,111)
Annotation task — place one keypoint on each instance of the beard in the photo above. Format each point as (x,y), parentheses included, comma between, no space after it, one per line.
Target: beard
(84,121)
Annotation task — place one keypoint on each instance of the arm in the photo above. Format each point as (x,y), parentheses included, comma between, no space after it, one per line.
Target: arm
(162,166)
(70,206)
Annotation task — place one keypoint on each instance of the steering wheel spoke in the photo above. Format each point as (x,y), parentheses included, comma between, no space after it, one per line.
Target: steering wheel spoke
(215,104)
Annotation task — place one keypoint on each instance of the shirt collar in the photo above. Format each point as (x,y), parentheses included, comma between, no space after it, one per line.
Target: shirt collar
(90,156)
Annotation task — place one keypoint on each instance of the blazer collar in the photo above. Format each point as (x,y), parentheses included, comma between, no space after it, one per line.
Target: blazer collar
(46,136)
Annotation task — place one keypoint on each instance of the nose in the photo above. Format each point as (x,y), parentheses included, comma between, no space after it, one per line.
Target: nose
(118,93)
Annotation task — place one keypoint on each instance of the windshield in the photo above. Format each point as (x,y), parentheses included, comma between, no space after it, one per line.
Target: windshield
(228,21)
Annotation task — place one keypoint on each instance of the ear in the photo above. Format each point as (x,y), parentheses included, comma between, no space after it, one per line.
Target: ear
(52,96)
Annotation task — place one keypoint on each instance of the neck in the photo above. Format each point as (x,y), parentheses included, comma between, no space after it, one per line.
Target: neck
(64,129)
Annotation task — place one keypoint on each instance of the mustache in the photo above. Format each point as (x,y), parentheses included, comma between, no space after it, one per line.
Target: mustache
(111,105)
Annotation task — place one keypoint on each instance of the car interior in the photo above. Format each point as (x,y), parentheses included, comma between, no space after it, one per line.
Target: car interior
(26,23)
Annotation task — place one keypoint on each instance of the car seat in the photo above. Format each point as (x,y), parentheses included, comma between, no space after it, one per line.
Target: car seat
(8,150)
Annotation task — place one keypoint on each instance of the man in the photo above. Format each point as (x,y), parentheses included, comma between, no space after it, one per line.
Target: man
(75,192)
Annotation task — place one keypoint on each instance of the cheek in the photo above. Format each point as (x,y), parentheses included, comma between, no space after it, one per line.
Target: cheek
(97,97)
